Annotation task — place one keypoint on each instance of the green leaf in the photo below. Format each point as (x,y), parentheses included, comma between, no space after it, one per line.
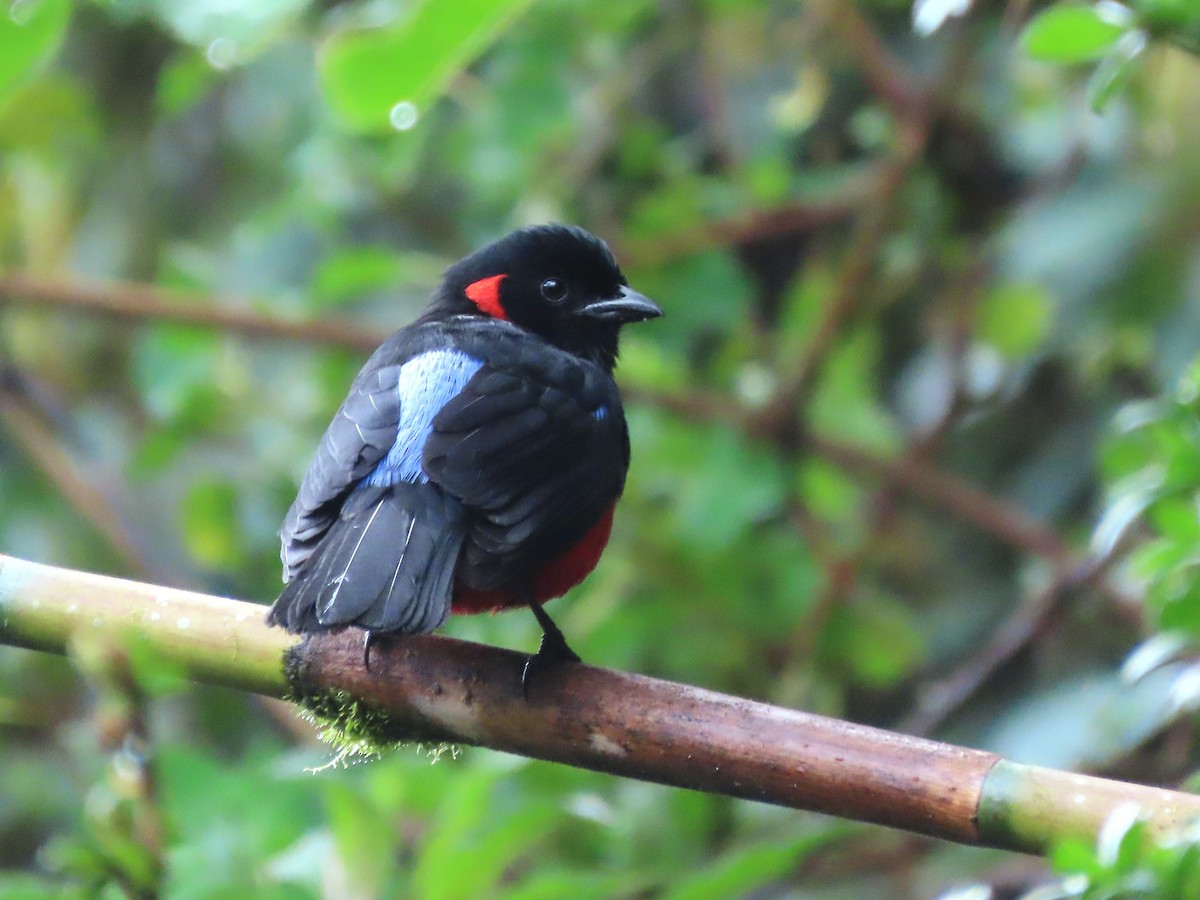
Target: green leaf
(1015,318)
(676,285)
(353,272)
(172,364)
(1173,20)
(1070,33)
(696,467)
(1115,70)
(846,402)
(30,33)
(386,78)
(183,82)
(876,639)
(1177,519)
(1075,855)
(742,872)
(210,523)
(51,116)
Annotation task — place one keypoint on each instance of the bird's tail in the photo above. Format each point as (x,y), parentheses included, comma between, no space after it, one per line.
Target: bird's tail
(386,564)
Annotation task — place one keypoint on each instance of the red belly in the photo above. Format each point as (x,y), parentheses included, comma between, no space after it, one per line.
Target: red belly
(553,580)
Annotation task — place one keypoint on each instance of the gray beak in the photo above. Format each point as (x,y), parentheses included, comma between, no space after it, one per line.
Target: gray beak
(627,306)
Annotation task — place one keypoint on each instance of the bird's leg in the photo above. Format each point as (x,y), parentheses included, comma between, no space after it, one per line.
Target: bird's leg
(552,651)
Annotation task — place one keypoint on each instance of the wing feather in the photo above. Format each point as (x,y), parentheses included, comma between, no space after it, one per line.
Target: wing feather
(538,450)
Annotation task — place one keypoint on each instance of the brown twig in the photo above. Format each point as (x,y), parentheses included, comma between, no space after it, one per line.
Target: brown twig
(847,298)
(914,477)
(888,79)
(909,475)
(796,216)
(952,494)
(130,300)
(938,701)
(45,452)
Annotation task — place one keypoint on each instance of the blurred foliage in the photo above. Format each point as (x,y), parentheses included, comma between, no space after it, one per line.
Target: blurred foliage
(1115,34)
(1152,465)
(1125,863)
(961,266)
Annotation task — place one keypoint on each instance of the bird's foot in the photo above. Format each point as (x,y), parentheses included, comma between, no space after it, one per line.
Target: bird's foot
(552,652)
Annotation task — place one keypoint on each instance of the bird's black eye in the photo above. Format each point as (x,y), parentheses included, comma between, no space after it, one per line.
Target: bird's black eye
(554,290)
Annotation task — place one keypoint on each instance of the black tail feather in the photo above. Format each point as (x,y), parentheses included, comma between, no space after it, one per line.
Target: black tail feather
(386,564)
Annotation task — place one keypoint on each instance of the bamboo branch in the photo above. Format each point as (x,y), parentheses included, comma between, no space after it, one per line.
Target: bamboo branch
(215,640)
(436,688)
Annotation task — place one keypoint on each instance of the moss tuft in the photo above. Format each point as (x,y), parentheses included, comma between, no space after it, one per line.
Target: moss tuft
(357,730)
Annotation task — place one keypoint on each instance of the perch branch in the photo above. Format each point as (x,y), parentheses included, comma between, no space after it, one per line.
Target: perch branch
(436,688)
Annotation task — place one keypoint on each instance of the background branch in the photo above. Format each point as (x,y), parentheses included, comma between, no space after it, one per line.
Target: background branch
(435,688)
(134,300)
(920,480)
(44,451)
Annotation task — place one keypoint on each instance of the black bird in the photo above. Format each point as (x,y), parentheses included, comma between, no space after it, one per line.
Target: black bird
(477,460)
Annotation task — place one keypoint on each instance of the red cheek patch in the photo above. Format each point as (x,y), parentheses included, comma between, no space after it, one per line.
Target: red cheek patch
(485,294)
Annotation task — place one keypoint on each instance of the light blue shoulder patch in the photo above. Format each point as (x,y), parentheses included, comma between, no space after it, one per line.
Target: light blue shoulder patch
(427,383)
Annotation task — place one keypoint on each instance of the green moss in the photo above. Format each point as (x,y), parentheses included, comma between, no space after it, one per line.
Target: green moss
(354,728)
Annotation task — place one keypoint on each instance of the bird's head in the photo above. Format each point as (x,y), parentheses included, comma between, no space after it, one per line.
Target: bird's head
(558,282)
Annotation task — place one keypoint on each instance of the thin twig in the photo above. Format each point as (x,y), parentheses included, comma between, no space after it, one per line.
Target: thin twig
(795,216)
(952,494)
(887,77)
(923,482)
(848,296)
(937,701)
(917,479)
(131,300)
(44,451)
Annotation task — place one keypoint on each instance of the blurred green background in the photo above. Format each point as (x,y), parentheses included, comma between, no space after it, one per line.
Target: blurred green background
(915,445)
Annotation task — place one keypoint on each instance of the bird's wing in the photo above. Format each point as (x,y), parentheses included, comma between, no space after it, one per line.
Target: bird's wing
(369,540)
(386,562)
(537,449)
(376,437)
(362,431)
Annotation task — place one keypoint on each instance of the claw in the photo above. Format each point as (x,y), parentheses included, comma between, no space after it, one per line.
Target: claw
(368,640)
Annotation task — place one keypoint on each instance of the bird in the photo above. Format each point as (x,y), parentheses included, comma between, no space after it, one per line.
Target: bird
(477,459)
